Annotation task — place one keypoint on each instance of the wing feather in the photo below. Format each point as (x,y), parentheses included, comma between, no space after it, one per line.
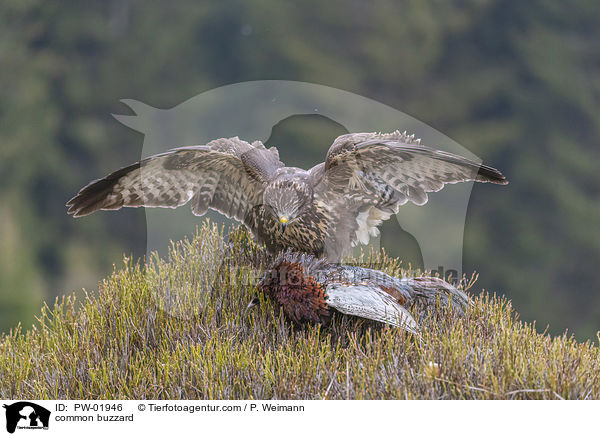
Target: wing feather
(366,177)
(369,302)
(227,175)
(404,164)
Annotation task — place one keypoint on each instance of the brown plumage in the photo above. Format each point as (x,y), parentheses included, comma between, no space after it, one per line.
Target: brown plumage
(310,290)
(302,297)
(325,211)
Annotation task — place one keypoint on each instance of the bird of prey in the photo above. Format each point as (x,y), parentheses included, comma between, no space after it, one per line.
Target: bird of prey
(323,211)
(310,290)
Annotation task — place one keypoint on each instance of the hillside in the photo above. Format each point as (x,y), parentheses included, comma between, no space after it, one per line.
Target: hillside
(515,83)
(151,332)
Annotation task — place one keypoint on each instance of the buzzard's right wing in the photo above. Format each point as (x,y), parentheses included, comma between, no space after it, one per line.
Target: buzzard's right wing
(227,175)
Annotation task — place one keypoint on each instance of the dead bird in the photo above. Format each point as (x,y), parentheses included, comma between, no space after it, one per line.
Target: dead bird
(310,290)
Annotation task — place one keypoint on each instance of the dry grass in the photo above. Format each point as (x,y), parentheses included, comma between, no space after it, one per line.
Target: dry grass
(155,332)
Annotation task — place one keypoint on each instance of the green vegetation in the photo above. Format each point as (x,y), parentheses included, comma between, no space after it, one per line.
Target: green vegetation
(514,82)
(139,338)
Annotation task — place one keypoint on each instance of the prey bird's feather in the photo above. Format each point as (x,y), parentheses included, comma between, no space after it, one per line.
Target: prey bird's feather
(309,290)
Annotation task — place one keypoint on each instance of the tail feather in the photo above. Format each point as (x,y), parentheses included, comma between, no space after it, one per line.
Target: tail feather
(429,289)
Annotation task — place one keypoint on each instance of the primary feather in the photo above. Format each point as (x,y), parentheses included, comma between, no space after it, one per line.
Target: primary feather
(339,203)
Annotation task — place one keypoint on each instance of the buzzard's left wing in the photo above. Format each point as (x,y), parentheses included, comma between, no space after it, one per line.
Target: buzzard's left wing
(367,176)
(399,161)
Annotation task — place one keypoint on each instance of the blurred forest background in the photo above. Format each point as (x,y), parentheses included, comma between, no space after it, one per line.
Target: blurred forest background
(517,83)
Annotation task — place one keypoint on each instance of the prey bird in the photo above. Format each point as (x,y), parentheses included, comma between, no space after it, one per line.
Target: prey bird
(324,211)
(310,290)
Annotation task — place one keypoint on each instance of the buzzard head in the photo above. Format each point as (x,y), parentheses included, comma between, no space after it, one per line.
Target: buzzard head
(287,199)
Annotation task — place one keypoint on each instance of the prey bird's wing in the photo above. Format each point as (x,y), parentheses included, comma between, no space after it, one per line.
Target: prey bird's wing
(369,302)
(227,175)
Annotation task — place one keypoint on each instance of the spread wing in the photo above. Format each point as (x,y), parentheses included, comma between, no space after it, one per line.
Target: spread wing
(367,176)
(227,175)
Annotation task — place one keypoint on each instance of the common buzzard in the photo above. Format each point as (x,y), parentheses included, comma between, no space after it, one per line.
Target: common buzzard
(324,211)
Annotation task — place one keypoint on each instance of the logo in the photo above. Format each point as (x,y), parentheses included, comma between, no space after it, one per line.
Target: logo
(26,415)
(251,111)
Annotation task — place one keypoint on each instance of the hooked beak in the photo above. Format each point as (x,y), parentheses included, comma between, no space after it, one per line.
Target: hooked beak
(283,220)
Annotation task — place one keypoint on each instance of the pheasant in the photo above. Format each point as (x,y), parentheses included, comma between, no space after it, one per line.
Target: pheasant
(310,290)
